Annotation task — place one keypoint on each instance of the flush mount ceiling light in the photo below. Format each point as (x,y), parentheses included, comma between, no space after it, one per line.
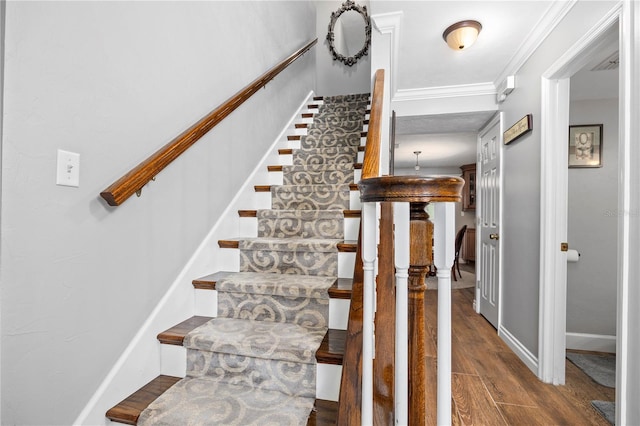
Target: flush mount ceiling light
(417,166)
(461,35)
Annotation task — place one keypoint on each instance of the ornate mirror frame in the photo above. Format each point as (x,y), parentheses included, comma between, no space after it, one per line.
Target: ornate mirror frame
(362,10)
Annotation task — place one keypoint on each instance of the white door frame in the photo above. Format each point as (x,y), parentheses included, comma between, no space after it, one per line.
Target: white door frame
(554,194)
(498,118)
(553,222)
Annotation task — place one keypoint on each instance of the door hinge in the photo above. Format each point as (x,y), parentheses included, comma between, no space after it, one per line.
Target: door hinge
(564,246)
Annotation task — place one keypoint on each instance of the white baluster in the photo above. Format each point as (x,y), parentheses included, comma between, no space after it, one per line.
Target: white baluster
(401,243)
(444,236)
(369,253)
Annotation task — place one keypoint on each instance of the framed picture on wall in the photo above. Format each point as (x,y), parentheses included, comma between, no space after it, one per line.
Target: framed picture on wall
(585,145)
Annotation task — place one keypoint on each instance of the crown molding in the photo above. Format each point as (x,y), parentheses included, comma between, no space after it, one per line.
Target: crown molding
(551,18)
(476,89)
(388,24)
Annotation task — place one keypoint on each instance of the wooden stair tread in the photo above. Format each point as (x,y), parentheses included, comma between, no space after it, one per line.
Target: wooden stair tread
(129,409)
(346,246)
(325,413)
(254,213)
(267,188)
(331,350)
(278,168)
(175,335)
(341,288)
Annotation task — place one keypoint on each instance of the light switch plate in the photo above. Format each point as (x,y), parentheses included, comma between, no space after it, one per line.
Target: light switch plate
(68,168)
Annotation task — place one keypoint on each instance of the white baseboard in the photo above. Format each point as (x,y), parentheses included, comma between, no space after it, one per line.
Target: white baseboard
(140,362)
(519,349)
(591,342)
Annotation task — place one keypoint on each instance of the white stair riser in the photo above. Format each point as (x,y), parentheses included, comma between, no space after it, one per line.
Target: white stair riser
(328,381)
(173,363)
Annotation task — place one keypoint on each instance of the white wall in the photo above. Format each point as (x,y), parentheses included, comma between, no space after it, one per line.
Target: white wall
(521,177)
(592,227)
(334,77)
(114,81)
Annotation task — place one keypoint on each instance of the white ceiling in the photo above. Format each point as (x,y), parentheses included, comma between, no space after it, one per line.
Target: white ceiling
(425,62)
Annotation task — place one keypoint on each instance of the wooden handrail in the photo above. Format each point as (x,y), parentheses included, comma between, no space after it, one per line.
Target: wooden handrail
(351,382)
(140,175)
(371,163)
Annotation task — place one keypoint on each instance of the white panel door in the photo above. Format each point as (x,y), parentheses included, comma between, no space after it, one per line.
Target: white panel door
(488,218)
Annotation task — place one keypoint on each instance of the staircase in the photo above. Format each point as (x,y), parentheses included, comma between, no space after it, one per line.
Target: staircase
(256,362)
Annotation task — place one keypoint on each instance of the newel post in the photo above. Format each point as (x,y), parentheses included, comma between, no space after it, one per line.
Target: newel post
(421,231)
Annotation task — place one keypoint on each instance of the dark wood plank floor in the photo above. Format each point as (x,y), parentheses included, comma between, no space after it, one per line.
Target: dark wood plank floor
(491,386)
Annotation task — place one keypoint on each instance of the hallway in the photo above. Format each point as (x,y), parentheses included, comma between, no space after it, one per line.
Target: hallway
(491,386)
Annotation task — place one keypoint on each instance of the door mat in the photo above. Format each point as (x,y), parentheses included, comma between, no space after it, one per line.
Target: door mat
(601,368)
(606,410)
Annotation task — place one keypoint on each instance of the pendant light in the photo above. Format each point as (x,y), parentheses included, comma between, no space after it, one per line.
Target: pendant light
(417,166)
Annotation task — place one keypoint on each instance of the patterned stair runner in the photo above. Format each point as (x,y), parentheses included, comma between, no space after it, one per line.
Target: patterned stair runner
(254,364)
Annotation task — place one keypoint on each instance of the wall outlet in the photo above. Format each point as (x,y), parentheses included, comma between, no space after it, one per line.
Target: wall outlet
(68,169)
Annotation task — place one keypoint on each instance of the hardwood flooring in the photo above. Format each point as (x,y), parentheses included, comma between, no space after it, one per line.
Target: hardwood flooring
(491,386)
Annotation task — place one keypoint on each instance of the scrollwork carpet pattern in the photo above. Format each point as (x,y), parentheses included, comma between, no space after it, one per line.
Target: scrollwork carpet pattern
(254,364)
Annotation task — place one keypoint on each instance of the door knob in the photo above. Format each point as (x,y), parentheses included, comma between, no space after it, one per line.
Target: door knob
(494,236)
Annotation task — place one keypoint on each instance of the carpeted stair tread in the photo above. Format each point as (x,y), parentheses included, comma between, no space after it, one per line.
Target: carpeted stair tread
(257,339)
(340,289)
(322,136)
(309,286)
(347,97)
(212,402)
(330,351)
(344,246)
(129,409)
(289,151)
(318,245)
(310,197)
(254,213)
(331,155)
(330,173)
(301,224)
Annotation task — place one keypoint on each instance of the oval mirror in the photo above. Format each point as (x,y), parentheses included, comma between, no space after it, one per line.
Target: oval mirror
(349,34)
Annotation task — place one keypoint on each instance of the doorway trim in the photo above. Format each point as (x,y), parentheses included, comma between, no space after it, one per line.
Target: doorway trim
(554,194)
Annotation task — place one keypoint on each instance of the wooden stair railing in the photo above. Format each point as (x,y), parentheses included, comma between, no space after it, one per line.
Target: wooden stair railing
(396,388)
(136,178)
(405,306)
(351,381)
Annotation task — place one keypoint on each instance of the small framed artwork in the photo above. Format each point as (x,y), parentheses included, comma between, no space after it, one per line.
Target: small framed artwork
(585,145)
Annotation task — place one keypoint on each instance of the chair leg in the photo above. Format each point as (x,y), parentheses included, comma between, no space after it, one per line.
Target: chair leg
(458,265)
(453,271)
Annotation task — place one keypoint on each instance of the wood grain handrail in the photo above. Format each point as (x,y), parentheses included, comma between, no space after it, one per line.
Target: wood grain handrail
(371,163)
(140,175)
(350,400)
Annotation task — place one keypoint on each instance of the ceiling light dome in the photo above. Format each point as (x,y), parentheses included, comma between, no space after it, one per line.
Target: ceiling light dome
(461,35)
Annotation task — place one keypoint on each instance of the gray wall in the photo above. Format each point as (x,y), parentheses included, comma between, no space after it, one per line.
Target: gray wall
(521,177)
(593,227)
(2,26)
(114,81)
(334,77)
